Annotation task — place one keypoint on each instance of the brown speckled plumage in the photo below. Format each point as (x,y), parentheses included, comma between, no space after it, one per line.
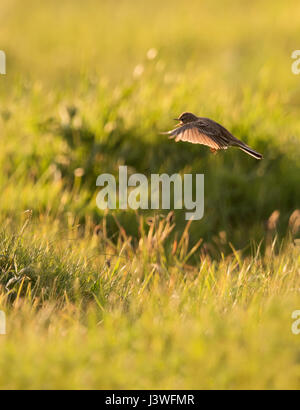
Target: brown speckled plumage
(200,130)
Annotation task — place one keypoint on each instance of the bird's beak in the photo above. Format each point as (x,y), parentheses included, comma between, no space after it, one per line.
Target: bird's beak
(176,119)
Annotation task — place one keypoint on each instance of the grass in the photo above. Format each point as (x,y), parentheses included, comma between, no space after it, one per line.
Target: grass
(143,299)
(145,318)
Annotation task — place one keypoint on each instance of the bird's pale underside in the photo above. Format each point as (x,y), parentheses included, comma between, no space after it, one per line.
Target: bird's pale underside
(200,130)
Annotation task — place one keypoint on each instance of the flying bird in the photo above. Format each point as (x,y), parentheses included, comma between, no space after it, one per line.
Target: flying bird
(200,130)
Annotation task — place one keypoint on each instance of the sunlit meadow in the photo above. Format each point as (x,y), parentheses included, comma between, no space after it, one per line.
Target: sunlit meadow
(132,299)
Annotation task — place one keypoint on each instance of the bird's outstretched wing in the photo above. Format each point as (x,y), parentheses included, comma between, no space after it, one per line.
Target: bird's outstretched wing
(198,134)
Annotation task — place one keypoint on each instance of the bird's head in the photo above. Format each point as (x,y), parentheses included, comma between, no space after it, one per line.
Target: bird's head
(186,117)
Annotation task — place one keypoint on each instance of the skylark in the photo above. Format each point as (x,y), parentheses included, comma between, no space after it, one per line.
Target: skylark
(200,130)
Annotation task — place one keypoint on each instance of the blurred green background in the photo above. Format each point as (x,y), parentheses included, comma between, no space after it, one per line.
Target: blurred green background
(83,90)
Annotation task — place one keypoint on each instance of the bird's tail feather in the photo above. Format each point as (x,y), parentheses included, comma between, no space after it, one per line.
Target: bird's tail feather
(250,151)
